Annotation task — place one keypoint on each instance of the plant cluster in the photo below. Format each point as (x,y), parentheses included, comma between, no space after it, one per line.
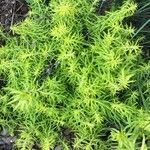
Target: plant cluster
(71,79)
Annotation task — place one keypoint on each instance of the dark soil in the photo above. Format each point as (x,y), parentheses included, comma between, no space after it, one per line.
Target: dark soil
(104,6)
(70,88)
(51,64)
(11,12)
(60,105)
(106,132)
(2,43)
(137,21)
(36,147)
(121,94)
(46,2)
(6,141)
(85,33)
(3,81)
(68,135)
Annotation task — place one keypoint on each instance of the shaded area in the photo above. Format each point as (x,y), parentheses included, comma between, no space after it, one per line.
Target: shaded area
(108,126)
(2,42)
(141,22)
(68,135)
(46,2)
(104,6)
(51,65)
(36,146)
(85,33)
(3,81)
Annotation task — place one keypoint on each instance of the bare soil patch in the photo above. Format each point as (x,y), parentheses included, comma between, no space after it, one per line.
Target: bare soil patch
(11,12)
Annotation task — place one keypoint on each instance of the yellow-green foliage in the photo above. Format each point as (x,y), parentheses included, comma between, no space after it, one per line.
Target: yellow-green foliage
(86,84)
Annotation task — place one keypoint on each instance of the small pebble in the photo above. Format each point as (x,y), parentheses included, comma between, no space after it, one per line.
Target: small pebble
(59,147)
(4,132)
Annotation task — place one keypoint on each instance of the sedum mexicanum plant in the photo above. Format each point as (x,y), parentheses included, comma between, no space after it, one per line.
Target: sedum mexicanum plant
(72,69)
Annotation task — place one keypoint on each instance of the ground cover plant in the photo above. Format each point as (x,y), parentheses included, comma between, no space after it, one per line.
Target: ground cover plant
(72,76)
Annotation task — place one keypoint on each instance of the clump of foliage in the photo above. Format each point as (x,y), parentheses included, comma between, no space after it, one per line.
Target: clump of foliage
(71,69)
